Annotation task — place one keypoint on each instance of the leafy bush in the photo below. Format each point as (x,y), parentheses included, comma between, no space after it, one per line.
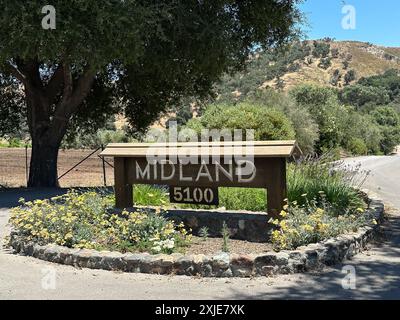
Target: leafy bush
(349,76)
(359,95)
(83,221)
(323,106)
(357,146)
(302,225)
(304,126)
(389,121)
(267,124)
(325,63)
(321,49)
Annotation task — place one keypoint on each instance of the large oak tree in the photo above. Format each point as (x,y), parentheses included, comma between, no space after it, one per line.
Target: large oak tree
(137,57)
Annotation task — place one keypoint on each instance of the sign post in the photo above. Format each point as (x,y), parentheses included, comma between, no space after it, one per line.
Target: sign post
(197,181)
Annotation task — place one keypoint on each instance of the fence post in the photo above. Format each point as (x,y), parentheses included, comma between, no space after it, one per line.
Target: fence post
(104,168)
(26,165)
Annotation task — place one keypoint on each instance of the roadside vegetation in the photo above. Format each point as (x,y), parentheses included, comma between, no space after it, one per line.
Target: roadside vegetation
(82,220)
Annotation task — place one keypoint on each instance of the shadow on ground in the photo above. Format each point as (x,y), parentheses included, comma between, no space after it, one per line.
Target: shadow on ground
(9,197)
(377,274)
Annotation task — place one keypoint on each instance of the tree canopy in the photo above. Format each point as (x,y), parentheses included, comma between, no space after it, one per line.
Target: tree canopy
(136,57)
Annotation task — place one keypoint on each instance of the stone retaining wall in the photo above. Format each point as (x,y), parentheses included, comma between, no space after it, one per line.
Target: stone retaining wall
(303,259)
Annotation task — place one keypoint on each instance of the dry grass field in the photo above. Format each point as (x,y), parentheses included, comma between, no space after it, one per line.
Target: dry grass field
(87,174)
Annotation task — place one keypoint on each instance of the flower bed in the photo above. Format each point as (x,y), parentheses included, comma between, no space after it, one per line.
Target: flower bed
(86,221)
(83,229)
(313,256)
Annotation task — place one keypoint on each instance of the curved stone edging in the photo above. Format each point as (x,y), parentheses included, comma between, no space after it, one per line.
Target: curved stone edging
(310,257)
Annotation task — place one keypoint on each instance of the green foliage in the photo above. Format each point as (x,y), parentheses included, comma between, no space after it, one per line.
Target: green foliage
(268,124)
(204,233)
(389,122)
(12,107)
(349,76)
(150,195)
(243,199)
(306,130)
(154,51)
(95,140)
(389,81)
(325,63)
(321,49)
(357,146)
(263,66)
(326,111)
(360,95)
(316,176)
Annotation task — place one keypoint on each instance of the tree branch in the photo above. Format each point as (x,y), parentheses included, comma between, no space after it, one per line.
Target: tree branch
(54,85)
(14,71)
(71,101)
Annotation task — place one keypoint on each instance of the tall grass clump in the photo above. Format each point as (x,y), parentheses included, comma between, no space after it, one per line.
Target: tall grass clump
(311,177)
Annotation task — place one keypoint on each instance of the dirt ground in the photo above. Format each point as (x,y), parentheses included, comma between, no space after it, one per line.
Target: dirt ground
(87,174)
(213,245)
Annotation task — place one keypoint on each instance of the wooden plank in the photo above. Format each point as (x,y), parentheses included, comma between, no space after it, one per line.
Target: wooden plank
(276,187)
(199,144)
(123,189)
(258,151)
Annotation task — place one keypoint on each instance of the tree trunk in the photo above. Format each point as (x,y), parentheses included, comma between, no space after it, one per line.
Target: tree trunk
(43,168)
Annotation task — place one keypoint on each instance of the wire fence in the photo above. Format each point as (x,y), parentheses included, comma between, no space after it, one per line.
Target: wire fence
(76,168)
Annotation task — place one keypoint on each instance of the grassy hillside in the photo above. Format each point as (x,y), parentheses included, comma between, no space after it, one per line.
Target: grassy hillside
(323,62)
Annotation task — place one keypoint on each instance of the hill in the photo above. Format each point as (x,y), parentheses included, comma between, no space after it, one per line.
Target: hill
(323,62)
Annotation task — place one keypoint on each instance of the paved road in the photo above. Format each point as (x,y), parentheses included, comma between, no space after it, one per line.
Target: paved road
(378,269)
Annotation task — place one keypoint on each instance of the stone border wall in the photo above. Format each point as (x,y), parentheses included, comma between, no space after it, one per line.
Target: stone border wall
(310,257)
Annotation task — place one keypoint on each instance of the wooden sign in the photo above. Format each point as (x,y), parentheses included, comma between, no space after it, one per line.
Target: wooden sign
(267,169)
(194,195)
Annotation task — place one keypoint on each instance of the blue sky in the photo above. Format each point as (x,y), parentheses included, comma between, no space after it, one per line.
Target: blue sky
(377,21)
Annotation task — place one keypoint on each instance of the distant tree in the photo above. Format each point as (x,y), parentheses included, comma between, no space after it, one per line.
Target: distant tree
(321,49)
(359,95)
(325,63)
(335,77)
(349,77)
(389,121)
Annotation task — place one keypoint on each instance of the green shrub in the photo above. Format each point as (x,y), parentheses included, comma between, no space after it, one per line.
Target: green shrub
(323,106)
(357,146)
(389,122)
(144,195)
(267,124)
(321,49)
(305,128)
